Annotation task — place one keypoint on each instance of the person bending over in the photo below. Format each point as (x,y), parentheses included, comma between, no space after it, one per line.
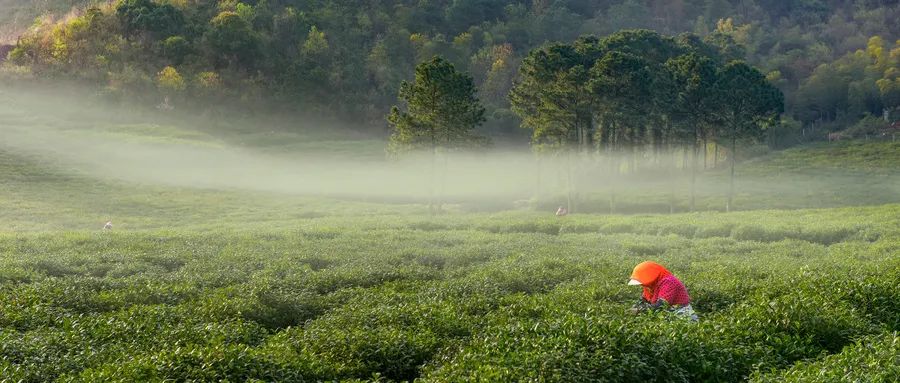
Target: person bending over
(662,291)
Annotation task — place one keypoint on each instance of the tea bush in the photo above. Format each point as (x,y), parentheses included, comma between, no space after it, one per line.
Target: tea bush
(874,358)
(514,296)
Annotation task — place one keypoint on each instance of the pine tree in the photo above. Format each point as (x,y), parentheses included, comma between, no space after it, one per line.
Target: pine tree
(442,112)
(749,104)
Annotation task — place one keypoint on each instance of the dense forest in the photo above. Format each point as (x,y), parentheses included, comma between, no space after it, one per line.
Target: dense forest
(836,62)
(17,15)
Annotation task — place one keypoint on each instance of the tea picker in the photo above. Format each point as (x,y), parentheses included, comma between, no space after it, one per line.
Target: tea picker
(662,291)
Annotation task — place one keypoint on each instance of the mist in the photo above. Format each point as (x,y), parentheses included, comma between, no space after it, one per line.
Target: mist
(225,166)
(206,161)
(152,148)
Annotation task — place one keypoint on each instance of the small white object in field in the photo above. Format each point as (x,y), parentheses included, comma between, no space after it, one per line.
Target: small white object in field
(562,212)
(165,105)
(108,226)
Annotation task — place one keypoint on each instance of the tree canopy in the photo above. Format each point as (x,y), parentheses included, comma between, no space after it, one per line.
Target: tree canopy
(442,110)
(348,58)
(637,93)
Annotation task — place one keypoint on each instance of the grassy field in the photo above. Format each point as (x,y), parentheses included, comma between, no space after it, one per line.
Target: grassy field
(231,281)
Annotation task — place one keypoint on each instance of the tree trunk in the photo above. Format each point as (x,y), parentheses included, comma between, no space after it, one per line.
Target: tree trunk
(694,173)
(431,181)
(434,140)
(586,136)
(569,183)
(672,178)
(612,185)
(633,168)
(729,205)
(577,133)
(705,153)
(613,171)
(443,190)
(715,155)
(657,146)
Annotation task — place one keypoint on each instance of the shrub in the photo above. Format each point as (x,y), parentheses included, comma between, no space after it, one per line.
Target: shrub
(579,228)
(826,235)
(781,295)
(280,307)
(867,126)
(681,229)
(755,233)
(427,226)
(871,359)
(617,228)
(198,363)
(714,231)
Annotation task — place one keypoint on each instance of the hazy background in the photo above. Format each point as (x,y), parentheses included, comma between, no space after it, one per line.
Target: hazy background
(294,115)
(90,140)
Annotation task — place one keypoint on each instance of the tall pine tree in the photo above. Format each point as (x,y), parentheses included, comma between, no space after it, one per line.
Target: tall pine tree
(442,113)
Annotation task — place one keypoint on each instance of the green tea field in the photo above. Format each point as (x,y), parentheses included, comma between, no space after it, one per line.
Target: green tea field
(227,281)
(783,296)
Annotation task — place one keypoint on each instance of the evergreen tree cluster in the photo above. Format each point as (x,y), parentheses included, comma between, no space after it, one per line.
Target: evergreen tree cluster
(638,94)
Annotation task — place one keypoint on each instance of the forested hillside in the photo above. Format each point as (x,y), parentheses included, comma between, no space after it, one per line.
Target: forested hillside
(17,15)
(835,61)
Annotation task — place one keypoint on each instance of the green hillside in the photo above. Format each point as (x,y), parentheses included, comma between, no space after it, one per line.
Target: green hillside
(832,59)
(18,15)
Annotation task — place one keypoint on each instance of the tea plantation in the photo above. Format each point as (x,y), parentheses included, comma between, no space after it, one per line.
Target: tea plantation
(806,295)
(227,285)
